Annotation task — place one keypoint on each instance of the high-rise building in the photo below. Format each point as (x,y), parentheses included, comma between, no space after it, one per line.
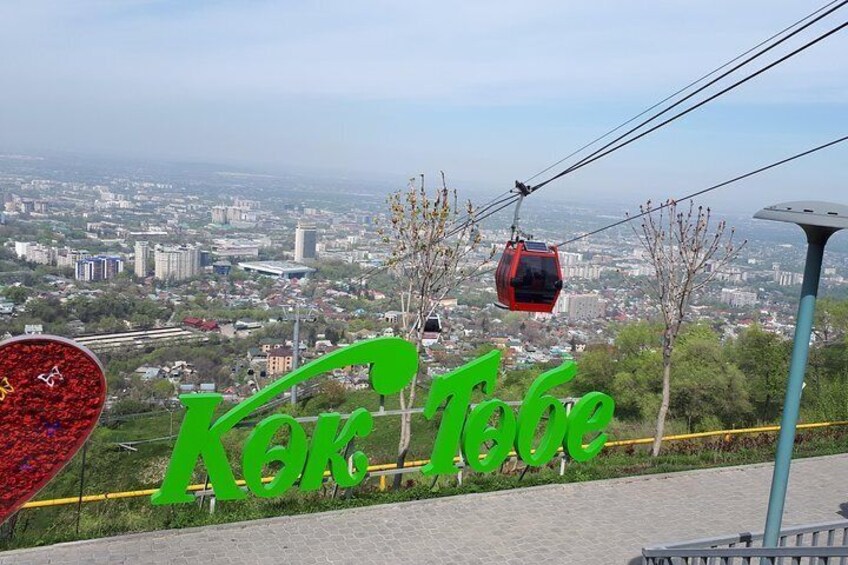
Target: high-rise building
(40,254)
(142,252)
(176,263)
(245,203)
(68,258)
(305,242)
(219,214)
(99,268)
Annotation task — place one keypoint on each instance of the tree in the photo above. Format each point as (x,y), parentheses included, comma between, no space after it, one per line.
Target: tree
(17,294)
(685,256)
(763,358)
(710,389)
(47,310)
(831,322)
(431,252)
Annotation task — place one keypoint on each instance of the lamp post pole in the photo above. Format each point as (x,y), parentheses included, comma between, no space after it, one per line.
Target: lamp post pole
(792,401)
(819,220)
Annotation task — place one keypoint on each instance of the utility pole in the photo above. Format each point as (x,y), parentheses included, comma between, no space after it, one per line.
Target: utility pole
(295,350)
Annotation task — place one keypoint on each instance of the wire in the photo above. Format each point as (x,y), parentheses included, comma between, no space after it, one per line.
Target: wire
(504,203)
(493,202)
(606,150)
(692,195)
(507,204)
(611,147)
(680,91)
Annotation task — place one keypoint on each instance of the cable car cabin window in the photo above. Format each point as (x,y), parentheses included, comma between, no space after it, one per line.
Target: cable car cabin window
(535,280)
(503,271)
(433,325)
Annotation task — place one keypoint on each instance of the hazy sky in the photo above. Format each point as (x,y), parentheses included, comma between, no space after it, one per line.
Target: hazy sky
(488,91)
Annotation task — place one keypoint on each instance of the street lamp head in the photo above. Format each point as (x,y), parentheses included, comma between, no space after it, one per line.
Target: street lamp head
(818,219)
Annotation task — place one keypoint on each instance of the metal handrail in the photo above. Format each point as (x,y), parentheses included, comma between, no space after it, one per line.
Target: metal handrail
(414,466)
(815,542)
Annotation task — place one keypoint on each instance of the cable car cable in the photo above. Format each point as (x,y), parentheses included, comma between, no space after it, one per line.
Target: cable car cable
(709,189)
(680,91)
(692,195)
(504,203)
(607,149)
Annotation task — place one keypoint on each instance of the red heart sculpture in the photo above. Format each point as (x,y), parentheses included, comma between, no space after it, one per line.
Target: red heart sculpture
(51,394)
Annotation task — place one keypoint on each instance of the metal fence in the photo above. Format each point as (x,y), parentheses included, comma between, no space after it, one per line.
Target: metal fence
(817,544)
(410,467)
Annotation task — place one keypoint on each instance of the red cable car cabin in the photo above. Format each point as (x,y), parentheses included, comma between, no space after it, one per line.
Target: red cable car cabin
(528,277)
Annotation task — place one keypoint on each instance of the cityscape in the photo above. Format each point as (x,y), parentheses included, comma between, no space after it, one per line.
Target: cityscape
(189,258)
(426,283)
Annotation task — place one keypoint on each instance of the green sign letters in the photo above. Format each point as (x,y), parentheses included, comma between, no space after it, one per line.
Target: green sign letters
(393,363)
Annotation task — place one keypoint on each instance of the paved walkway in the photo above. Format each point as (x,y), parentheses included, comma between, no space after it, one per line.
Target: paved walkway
(594,522)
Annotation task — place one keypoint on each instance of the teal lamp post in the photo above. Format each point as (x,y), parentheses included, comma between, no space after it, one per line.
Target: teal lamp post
(819,220)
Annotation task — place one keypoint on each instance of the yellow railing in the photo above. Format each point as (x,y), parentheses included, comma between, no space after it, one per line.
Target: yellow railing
(421,463)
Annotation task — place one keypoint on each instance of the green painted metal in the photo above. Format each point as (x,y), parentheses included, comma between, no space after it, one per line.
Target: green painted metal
(393,363)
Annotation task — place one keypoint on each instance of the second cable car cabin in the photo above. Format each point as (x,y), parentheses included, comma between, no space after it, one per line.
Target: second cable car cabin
(528,277)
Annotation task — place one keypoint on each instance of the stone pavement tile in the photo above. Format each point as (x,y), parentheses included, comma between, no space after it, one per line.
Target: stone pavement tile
(594,522)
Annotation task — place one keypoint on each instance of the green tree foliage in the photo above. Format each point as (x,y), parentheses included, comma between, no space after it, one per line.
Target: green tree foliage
(710,388)
(47,310)
(17,294)
(763,358)
(831,321)
(337,271)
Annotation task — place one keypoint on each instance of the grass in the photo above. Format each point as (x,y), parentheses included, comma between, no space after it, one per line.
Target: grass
(112,469)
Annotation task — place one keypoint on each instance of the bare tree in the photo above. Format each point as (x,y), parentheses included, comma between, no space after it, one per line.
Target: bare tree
(686,255)
(431,249)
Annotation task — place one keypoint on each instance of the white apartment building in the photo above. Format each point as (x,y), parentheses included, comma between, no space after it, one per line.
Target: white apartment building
(580,306)
(738,298)
(176,263)
(142,252)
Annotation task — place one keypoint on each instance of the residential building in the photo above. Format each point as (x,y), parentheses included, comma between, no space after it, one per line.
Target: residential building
(280,360)
(580,306)
(40,254)
(176,263)
(738,298)
(69,258)
(99,268)
(245,203)
(582,271)
(142,252)
(219,214)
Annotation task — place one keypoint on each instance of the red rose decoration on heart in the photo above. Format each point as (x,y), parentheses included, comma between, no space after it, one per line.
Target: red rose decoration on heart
(51,394)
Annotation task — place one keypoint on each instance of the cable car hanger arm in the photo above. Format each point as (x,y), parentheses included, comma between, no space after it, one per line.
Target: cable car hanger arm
(522,190)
